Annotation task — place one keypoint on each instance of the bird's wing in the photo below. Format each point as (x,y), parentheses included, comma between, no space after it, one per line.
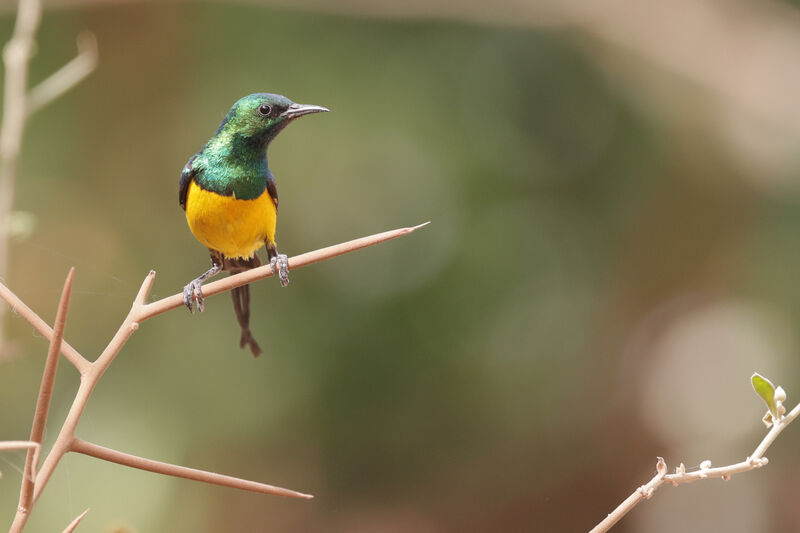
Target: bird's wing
(186,178)
(272,189)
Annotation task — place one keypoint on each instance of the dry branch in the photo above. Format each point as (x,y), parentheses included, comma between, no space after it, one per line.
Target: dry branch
(18,105)
(67,76)
(11,445)
(19,307)
(91,372)
(265,271)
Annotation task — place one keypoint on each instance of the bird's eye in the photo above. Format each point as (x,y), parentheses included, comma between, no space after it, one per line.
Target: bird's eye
(264,109)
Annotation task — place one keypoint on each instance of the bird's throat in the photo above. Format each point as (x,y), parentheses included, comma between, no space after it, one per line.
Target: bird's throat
(238,171)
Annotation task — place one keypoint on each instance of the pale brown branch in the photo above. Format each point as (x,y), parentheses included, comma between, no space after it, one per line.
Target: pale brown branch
(681,476)
(41,326)
(16,55)
(67,76)
(65,436)
(144,290)
(176,300)
(18,106)
(643,492)
(133,461)
(45,393)
(72,525)
(9,445)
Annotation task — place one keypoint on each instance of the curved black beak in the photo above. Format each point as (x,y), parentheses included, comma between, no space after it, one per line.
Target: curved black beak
(298,110)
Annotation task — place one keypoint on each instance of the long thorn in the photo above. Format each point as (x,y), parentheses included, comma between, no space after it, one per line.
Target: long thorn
(45,393)
(72,525)
(126,459)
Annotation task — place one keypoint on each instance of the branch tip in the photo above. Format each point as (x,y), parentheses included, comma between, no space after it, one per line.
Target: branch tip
(72,525)
(661,466)
(415,228)
(86,42)
(144,290)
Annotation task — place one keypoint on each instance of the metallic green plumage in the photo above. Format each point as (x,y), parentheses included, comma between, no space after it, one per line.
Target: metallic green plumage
(234,161)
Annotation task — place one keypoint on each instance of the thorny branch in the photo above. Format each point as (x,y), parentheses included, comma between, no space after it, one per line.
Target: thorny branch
(91,372)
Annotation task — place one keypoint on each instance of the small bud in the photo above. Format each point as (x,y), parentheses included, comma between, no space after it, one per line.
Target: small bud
(726,477)
(705,465)
(780,394)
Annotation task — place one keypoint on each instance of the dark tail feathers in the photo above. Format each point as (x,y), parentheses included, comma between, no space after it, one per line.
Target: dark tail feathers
(241,305)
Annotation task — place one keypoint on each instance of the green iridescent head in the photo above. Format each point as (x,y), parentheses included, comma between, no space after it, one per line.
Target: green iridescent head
(260,117)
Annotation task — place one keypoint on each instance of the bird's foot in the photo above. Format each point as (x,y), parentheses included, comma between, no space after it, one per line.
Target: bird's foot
(194,292)
(280,264)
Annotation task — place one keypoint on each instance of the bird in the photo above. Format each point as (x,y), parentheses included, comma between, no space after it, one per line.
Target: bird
(230,198)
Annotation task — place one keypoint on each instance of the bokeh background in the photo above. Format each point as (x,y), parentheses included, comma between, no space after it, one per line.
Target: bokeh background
(613,190)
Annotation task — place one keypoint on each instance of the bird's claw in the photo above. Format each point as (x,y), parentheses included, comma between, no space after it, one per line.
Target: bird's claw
(194,292)
(280,264)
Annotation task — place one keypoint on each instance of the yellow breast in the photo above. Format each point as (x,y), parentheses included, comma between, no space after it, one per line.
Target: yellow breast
(237,228)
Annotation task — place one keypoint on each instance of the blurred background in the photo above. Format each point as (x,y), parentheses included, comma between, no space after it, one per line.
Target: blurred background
(614,190)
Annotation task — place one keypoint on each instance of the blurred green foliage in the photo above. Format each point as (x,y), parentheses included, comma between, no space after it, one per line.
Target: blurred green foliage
(470,377)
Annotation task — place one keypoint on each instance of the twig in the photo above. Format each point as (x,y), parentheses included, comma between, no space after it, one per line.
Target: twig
(645,491)
(265,271)
(18,106)
(72,525)
(91,372)
(756,460)
(43,400)
(16,55)
(126,459)
(67,76)
(10,445)
(41,326)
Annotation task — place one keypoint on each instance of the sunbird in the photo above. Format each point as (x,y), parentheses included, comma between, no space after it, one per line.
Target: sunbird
(231,199)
